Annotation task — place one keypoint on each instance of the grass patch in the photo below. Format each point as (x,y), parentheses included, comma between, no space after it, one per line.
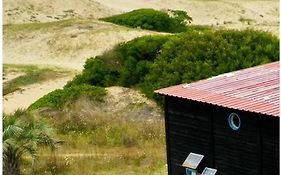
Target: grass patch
(144,162)
(60,97)
(106,131)
(31,74)
(151,19)
(29,27)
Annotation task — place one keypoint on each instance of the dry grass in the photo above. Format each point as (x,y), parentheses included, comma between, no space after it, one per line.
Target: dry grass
(102,144)
(118,160)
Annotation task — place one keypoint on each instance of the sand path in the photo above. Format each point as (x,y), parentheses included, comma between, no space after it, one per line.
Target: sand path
(29,94)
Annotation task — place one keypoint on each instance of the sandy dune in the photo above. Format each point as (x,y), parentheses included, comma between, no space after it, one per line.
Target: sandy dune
(237,14)
(26,11)
(66,46)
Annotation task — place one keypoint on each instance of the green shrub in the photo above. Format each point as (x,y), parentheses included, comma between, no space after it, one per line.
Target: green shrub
(154,62)
(151,19)
(194,56)
(108,69)
(58,98)
(96,72)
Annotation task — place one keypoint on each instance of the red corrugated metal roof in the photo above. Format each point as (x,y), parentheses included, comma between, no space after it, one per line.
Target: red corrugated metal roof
(254,89)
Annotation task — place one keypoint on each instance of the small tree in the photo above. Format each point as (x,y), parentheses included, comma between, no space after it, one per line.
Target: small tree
(22,134)
(181,17)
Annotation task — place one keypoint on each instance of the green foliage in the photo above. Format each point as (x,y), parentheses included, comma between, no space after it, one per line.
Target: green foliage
(23,130)
(152,20)
(154,62)
(194,56)
(60,97)
(125,65)
(22,135)
(96,72)
(181,16)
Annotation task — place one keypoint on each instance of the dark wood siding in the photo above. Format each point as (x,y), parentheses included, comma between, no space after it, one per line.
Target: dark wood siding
(188,131)
(236,151)
(203,129)
(270,145)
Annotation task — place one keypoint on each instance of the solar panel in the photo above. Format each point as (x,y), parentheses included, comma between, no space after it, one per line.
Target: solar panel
(192,160)
(209,171)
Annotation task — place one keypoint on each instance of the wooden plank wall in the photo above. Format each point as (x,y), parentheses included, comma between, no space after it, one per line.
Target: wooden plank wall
(236,152)
(270,145)
(188,131)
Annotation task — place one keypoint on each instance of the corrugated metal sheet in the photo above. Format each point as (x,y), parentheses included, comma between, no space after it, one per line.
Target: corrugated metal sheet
(254,89)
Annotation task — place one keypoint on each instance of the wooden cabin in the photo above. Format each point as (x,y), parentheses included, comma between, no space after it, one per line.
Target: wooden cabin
(232,119)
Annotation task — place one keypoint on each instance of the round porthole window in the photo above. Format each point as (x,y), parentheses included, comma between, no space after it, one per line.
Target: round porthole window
(234,121)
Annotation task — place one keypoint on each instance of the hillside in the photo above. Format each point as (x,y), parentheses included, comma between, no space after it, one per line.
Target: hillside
(65,44)
(18,11)
(152,62)
(231,14)
(258,14)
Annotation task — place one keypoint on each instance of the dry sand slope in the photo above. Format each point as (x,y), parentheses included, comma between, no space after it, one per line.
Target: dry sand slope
(26,11)
(65,42)
(66,33)
(236,14)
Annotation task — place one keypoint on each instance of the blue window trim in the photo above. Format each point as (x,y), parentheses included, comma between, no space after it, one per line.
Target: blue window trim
(231,123)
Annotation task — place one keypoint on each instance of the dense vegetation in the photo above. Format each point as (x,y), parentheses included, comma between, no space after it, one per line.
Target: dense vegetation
(60,97)
(125,65)
(153,20)
(153,62)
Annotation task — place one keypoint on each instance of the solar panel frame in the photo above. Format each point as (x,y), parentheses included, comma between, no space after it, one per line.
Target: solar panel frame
(192,160)
(209,171)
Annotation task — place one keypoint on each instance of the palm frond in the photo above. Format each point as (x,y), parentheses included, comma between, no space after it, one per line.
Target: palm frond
(25,134)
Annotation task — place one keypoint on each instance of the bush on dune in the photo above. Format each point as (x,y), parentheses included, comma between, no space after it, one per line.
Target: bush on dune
(151,19)
(192,56)
(154,62)
(124,65)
